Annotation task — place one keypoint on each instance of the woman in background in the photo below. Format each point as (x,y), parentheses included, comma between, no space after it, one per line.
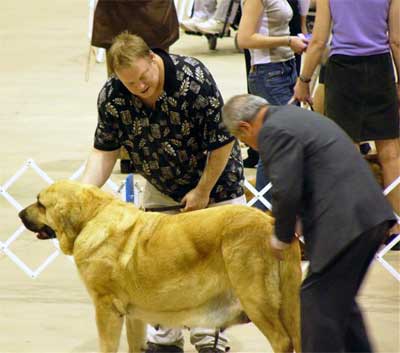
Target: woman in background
(361,94)
(264,30)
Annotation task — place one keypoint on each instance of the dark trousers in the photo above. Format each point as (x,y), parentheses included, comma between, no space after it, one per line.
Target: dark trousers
(331,320)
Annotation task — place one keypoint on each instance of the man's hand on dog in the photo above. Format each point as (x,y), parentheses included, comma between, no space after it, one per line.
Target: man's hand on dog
(278,247)
(195,199)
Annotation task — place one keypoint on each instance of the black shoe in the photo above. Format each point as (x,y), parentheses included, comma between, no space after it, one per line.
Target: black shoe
(396,247)
(162,348)
(250,163)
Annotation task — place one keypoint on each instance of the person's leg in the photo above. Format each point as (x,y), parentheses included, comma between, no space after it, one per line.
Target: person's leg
(161,339)
(389,158)
(222,11)
(356,338)
(330,322)
(164,338)
(261,182)
(223,16)
(274,82)
(204,9)
(202,12)
(205,339)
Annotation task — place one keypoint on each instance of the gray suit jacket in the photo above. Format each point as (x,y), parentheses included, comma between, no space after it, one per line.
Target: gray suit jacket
(318,174)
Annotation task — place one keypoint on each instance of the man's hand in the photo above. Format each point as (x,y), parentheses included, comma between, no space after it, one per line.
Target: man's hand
(277,247)
(195,199)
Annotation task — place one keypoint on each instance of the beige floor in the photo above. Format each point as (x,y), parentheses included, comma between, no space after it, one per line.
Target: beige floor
(48,113)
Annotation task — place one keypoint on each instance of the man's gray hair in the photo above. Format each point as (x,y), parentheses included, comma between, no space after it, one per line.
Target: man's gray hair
(243,107)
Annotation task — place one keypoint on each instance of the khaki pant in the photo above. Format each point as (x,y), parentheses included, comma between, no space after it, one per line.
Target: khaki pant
(199,337)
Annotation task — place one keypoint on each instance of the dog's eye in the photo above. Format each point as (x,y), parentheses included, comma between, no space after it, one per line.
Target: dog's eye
(40,204)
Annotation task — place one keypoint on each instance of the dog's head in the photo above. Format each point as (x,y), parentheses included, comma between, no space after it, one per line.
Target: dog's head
(62,210)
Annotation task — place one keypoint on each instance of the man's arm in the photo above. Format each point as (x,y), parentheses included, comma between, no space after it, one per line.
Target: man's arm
(282,155)
(99,166)
(283,158)
(199,197)
(394,37)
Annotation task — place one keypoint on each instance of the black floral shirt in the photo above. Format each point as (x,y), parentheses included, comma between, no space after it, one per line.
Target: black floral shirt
(169,145)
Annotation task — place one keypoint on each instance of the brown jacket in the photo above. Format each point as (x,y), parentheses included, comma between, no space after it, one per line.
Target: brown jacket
(154,20)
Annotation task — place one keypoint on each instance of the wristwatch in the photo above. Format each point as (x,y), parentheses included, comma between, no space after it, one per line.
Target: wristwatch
(304,79)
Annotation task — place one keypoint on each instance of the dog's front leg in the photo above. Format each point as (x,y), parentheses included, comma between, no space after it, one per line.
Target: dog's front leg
(136,334)
(109,326)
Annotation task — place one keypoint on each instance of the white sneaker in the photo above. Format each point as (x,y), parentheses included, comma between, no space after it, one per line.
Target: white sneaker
(191,23)
(212,27)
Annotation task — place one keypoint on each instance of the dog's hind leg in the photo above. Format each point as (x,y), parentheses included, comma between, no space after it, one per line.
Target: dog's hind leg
(109,325)
(290,273)
(256,281)
(136,334)
(273,330)
(266,316)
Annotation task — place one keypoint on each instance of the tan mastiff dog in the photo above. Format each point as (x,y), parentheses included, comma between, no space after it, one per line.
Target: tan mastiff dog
(208,268)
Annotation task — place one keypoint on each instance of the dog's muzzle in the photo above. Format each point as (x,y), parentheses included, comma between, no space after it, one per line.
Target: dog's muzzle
(46,233)
(43,232)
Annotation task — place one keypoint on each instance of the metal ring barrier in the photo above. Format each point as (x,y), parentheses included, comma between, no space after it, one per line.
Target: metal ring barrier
(4,246)
(131,194)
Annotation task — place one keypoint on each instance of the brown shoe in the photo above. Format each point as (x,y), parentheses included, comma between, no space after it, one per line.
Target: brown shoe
(162,348)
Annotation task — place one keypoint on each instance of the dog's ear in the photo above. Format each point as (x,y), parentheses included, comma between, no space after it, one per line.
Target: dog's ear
(68,224)
(69,206)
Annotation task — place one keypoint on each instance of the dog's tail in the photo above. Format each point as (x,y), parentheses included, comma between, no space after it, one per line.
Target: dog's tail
(290,282)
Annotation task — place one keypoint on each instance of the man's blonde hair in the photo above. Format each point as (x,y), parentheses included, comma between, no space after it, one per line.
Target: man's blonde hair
(126,48)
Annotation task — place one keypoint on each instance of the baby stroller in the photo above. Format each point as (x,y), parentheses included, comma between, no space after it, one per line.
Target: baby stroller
(212,38)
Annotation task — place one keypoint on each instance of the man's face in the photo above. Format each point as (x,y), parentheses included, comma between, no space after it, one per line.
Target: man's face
(248,132)
(142,78)
(249,140)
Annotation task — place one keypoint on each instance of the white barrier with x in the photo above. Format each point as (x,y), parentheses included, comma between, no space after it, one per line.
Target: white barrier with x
(381,253)
(4,246)
(379,256)
(33,273)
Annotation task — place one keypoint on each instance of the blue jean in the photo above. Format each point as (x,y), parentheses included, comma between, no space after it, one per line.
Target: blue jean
(274,82)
